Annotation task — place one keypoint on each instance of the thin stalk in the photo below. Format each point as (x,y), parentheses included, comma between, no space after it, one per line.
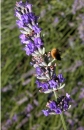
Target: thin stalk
(63,122)
(61,115)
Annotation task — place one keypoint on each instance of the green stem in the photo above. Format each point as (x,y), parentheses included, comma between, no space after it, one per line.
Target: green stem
(61,115)
(63,122)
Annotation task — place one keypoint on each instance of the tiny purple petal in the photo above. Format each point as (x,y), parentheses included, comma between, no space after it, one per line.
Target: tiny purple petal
(36,29)
(17,14)
(19,23)
(58,111)
(29,7)
(25,18)
(28,18)
(65,106)
(33,17)
(15,118)
(38,42)
(53,84)
(52,105)
(60,77)
(39,71)
(45,112)
(68,96)
(30,48)
(38,83)
(45,86)
(24,39)
(8,122)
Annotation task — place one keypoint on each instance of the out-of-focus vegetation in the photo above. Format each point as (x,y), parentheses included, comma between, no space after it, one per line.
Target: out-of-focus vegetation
(62,24)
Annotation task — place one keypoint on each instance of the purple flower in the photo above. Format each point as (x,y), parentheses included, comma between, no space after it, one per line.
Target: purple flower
(29,7)
(36,29)
(28,21)
(24,39)
(33,17)
(52,105)
(65,106)
(28,18)
(45,112)
(38,42)
(15,118)
(45,68)
(9,122)
(39,71)
(38,83)
(58,111)
(52,109)
(30,48)
(53,84)
(68,97)
(60,77)
(56,107)
(19,23)
(17,14)
(25,5)
(45,86)
(25,18)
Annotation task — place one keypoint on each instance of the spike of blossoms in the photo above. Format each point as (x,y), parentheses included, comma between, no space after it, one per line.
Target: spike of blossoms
(47,81)
(28,27)
(56,107)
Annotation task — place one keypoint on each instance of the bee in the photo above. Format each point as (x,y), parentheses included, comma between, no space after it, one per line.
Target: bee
(55,53)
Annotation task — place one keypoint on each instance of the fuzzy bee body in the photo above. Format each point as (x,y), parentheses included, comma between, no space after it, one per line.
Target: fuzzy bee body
(55,53)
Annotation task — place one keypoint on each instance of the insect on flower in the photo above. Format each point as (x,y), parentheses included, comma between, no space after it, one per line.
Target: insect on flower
(55,53)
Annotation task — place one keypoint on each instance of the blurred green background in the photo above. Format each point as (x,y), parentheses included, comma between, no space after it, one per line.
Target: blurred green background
(62,23)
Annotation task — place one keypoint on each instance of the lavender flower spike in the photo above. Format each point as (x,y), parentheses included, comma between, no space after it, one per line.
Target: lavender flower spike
(29,27)
(44,62)
(56,107)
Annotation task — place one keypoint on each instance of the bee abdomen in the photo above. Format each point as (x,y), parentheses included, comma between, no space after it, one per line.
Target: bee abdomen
(55,54)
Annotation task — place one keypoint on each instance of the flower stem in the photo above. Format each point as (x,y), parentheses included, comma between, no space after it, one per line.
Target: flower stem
(61,115)
(63,122)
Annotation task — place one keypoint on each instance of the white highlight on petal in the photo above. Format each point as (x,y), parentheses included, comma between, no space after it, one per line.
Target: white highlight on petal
(42,77)
(36,52)
(33,54)
(43,50)
(69,106)
(35,65)
(24,32)
(50,63)
(30,26)
(44,64)
(48,91)
(27,29)
(52,113)
(39,49)
(62,86)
